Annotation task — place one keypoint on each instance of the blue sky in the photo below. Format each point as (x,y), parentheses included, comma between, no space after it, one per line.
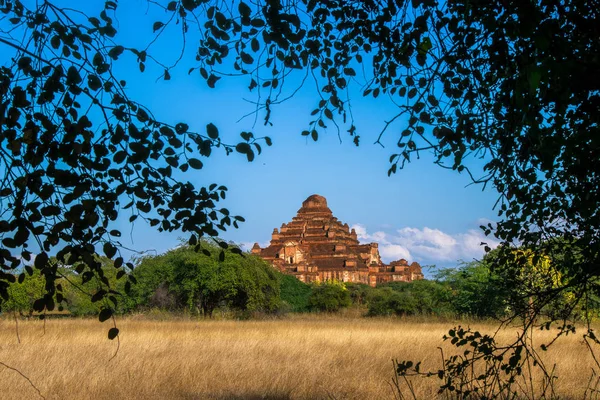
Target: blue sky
(423,213)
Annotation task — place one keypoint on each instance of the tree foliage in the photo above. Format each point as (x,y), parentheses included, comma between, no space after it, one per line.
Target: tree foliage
(476,290)
(329,296)
(76,152)
(294,293)
(462,292)
(83,292)
(386,301)
(23,294)
(202,282)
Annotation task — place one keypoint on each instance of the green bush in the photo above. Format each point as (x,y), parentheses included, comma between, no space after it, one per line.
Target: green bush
(359,293)
(295,293)
(186,279)
(78,291)
(477,291)
(379,302)
(329,296)
(23,294)
(410,298)
(387,301)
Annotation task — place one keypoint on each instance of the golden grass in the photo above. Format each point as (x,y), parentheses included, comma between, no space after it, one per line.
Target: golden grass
(298,357)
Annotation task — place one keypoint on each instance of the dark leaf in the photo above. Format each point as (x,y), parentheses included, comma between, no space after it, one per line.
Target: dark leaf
(243,148)
(181,128)
(110,250)
(157,25)
(244,9)
(212,131)
(113,333)
(105,314)
(41,260)
(195,163)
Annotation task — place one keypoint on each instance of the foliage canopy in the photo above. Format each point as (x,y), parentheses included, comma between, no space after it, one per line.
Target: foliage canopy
(76,152)
(202,282)
(329,296)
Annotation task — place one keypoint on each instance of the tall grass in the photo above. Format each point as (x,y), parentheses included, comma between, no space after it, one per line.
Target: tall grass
(299,357)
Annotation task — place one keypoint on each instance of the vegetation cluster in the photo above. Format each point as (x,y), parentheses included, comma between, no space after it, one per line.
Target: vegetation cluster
(206,283)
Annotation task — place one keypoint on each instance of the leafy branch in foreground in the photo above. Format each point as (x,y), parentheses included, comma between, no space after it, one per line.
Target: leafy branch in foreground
(486,369)
(76,153)
(479,366)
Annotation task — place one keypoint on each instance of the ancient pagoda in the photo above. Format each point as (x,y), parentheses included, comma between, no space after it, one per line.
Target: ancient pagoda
(315,246)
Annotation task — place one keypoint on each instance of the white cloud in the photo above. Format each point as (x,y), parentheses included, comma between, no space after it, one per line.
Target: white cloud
(363,236)
(361,231)
(387,250)
(427,245)
(391,252)
(427,242)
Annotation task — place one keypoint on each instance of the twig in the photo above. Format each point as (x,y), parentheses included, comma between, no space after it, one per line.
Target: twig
(44,334)
(25,377)
(17,326)
(25,51)
(118,340)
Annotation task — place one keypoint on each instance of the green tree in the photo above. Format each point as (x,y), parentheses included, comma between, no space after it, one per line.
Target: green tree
(386,301)
(431,297)
(295,293)
(205,281)
(80,288)
(359,293)
(411,298)
(476,290)
(153,276)
(23,294)
(258,284)
(329,296)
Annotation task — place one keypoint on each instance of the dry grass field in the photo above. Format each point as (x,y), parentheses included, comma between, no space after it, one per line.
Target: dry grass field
(297,357)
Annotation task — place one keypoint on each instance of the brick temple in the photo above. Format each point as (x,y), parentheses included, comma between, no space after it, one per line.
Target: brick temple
(315,246)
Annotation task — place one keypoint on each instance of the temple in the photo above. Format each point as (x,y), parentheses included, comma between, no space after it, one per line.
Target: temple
(315,246)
